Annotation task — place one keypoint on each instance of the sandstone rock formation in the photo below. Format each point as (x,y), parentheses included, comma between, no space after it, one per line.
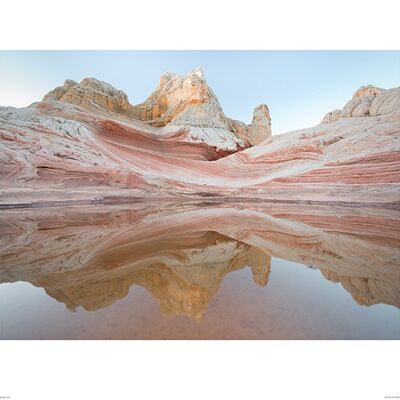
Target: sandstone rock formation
(92,94)
(168,200)
(260,128)
(55,151)
(179,102)
(331,116)
(368,101)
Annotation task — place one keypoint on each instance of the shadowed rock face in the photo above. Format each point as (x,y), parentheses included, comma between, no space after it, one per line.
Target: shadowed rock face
(91,257)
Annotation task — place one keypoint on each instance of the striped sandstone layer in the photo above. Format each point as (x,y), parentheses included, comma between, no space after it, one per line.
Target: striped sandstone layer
(57,152)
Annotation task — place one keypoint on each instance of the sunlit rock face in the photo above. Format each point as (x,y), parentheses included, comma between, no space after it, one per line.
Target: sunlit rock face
(92,94)
(180,101)
(187,101)
(181,253)
(183,99)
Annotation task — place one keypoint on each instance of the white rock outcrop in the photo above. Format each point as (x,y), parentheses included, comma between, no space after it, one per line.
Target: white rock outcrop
(367,101)
(331,116)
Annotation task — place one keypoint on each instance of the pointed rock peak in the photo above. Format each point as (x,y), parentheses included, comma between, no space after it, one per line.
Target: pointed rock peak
(175,81)
(262,108)
(260,128)
(197,72)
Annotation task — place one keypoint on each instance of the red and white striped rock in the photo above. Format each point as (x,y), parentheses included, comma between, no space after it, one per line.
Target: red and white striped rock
(55,151)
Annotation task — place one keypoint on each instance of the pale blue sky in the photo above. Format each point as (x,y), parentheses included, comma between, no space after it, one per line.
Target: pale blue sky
(298,86)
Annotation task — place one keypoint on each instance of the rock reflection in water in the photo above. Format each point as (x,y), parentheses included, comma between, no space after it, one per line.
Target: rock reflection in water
(181,253)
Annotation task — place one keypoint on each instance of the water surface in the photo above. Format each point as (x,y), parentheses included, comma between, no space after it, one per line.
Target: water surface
(200,271)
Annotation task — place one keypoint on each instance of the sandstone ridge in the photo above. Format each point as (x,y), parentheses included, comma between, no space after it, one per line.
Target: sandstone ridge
(179,102)
(368,101)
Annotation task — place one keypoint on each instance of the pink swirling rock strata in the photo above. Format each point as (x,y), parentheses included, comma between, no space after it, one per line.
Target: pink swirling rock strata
(60,151)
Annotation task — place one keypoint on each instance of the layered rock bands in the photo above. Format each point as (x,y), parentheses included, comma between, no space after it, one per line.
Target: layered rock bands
(85,142)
